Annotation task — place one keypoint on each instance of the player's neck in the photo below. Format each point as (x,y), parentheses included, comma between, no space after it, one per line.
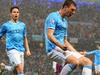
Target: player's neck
(61,13)
(14,20)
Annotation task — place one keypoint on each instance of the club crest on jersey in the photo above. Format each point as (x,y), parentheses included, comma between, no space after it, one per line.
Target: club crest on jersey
(52,21)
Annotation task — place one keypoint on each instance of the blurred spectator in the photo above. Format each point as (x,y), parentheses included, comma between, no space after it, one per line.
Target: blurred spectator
(84,25)
(57,68)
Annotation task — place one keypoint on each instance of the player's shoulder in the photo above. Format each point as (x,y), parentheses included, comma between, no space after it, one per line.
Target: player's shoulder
(21,23)
(5,23)
(53,14)
(97,50)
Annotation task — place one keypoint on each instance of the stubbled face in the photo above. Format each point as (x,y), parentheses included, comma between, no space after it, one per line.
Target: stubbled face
(15,14)
(69,10)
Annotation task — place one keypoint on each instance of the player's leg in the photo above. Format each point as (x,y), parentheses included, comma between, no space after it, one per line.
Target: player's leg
(87,65)
(85,62)
(16,61)
(61,58)
(68,69)
(4,67)
(20,67)
(98,73)
(97,69)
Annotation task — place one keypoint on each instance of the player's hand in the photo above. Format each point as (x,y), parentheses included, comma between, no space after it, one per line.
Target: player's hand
(28,53)
(83,52)
(63,47)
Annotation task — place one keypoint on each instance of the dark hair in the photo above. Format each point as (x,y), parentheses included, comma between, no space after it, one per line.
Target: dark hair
(13,8)
(68,3)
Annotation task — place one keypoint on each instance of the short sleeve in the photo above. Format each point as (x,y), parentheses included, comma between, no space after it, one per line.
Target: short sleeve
(2,30)
(25,30)
(51,22)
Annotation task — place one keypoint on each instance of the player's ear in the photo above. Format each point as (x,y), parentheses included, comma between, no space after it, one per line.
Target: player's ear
(65,8)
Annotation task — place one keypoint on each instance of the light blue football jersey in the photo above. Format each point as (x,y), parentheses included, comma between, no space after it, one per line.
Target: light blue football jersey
(15,34)
(96,54)
(60,26)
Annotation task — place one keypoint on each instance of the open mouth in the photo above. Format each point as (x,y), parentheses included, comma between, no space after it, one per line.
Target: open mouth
(16,16)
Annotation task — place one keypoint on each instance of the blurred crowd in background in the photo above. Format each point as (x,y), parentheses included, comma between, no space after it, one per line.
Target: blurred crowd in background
(84,31)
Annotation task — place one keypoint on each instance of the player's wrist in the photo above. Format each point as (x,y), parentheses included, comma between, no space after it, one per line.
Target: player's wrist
(65,48)
(27,50)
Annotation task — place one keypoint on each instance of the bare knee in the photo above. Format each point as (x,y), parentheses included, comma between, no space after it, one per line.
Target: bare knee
(72,60)
(19,68)
(89,61)
(98,73)
(85,61)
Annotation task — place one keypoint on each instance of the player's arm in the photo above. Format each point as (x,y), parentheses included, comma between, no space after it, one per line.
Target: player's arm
(51,23)
(53,39)
(2,30)
(83,52)
(68,45)
(26,42)
(90,52)
(27,46)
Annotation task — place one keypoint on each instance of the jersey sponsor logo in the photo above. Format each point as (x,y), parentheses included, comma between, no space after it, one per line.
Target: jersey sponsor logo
(15,31)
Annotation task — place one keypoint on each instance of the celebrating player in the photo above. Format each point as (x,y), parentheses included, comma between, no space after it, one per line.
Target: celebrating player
(96,61)
(16,41)
(57,46)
